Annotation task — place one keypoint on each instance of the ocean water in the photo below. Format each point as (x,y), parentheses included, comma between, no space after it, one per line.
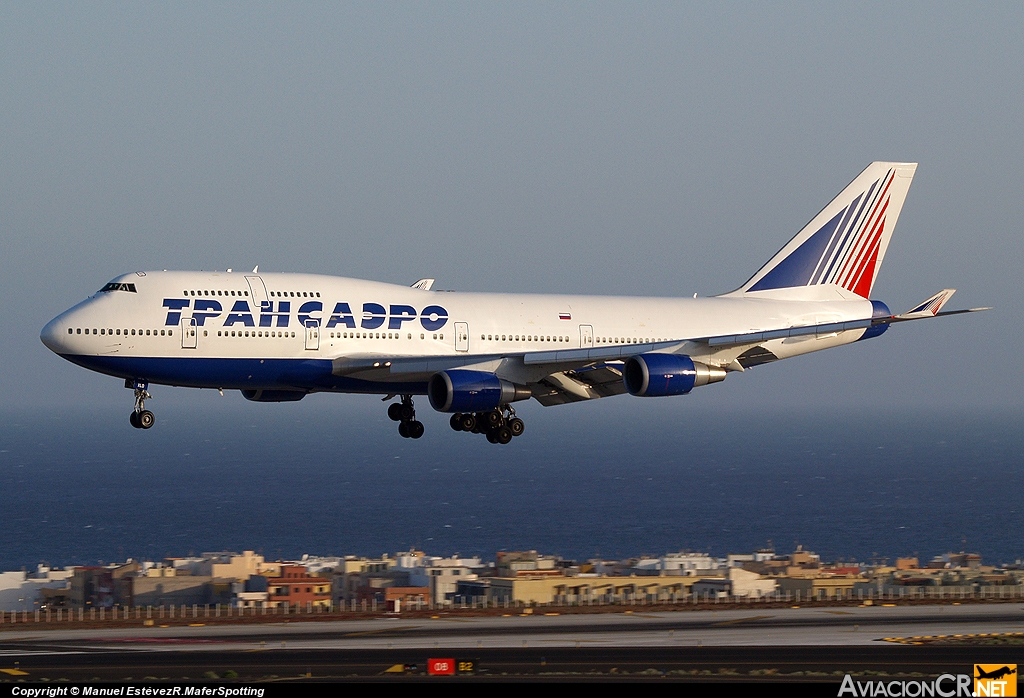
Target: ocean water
(612,478)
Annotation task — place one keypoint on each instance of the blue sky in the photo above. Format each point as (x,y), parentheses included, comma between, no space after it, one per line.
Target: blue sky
(659,149)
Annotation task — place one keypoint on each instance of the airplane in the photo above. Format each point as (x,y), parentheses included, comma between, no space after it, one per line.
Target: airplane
(278,337)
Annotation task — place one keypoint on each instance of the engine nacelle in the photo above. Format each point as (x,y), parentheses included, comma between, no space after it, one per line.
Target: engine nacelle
(659,375)
(472,391)
(273,395)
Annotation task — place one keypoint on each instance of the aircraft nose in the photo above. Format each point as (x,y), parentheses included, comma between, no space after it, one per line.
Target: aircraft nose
(51,335)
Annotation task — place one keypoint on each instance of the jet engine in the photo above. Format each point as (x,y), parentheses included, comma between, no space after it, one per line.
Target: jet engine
(472,391)
(659,375)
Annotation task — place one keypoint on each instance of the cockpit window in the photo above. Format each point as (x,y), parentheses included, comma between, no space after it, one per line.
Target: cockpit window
(118,287)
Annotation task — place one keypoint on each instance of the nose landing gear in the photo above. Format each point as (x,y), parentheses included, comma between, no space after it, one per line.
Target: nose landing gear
(499,425)
(405,414)
(140,418)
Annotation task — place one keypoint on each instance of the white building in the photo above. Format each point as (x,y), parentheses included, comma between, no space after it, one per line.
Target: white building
(677,564)
(738,582)
(443,574)
(19,591)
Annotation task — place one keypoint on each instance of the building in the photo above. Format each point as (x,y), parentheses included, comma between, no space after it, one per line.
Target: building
(22,591)
(737,582)
(441,575)
(511,563)
(544,589)
(188,589)
(296,588)
(680,563)
(353,574)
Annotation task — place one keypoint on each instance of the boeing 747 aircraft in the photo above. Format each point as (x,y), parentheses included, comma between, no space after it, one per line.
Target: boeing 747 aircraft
(278,337)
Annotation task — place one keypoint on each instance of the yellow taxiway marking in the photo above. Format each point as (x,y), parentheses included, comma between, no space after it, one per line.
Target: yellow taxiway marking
(840,613)
(14,672)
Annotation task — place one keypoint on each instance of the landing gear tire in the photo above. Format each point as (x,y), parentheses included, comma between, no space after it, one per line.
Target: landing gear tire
(503,435)
(140,418)
(403,429)
(516,426)
(395,412)
(493,418)
(467,423)
(491,437)
(415,429)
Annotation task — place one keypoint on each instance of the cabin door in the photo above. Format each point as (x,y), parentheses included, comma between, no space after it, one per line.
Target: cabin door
(586,336)
(461,336)
(312,334)
(189,336)
(258,294)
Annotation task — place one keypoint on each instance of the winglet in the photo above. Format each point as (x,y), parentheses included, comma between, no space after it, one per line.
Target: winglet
(424,284)
(930,307)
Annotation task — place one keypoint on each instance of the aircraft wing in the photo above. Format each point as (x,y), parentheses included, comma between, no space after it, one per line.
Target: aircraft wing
(561,376)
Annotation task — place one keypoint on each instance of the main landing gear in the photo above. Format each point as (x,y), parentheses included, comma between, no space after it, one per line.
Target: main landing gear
(140,418)
(500,424)
(405,414)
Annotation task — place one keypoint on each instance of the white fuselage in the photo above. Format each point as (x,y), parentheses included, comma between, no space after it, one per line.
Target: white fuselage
(206,329)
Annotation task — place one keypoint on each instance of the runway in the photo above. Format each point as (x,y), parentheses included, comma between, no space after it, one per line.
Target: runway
(788,642)
(843,626)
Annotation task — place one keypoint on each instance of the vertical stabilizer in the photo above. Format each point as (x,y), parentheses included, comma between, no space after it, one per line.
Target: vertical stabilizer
(843,246)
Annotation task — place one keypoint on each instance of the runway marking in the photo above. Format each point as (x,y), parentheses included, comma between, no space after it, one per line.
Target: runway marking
(734,621)
(14,672)
(922,639)
(840,613)
(380,630)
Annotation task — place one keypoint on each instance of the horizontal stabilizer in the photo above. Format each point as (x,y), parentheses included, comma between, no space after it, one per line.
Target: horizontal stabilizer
(930,307)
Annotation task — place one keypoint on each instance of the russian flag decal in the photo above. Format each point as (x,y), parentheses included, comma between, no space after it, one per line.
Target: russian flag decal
(564,316)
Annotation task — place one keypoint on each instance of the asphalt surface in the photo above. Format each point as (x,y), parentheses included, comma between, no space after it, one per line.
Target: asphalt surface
(757,644)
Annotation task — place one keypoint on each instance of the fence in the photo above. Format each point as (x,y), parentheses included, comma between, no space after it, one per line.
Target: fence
(195,612)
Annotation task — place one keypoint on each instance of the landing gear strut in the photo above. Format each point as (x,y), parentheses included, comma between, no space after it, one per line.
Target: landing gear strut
(140,418)
(405,414)
(499,425)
